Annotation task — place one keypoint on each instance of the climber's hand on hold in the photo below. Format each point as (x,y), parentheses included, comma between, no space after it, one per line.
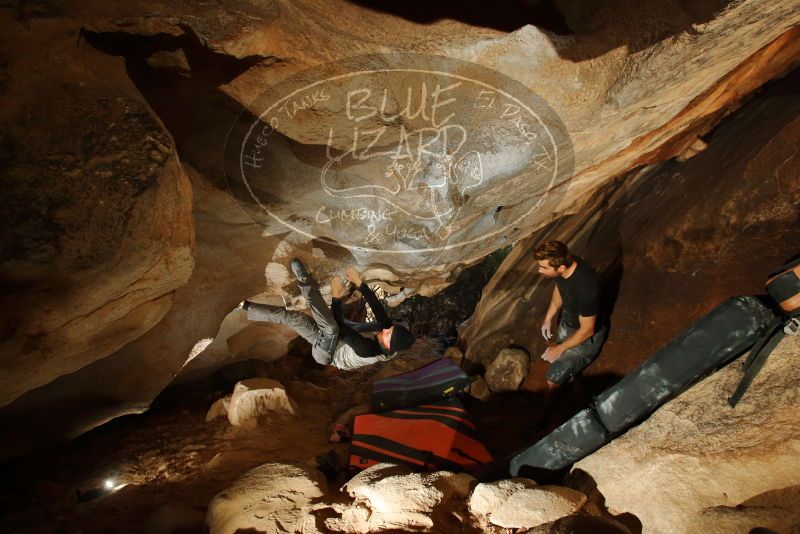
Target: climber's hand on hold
(354,276)
(336,287)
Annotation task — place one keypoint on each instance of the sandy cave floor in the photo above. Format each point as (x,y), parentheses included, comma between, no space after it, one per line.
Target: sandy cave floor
(172,459)
(168,455)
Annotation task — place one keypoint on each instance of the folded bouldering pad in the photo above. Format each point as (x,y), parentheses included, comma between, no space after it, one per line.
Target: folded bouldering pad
(431,383)
(434,436)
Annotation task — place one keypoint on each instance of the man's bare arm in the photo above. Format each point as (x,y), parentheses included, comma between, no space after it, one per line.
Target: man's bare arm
(552,310)
(583,333)
(555,305)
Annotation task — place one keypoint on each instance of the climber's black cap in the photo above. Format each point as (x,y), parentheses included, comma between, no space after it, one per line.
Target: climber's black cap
(401,339)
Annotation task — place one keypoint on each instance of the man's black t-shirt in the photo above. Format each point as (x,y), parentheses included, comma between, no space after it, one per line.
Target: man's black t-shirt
(580,294)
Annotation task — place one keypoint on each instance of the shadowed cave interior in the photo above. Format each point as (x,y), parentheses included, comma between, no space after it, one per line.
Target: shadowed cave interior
(661,146)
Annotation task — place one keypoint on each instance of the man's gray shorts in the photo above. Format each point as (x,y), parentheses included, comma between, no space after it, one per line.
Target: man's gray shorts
(576,359)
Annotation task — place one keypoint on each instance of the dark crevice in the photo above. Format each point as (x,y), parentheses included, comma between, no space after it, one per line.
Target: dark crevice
(596,26)
(194,109)
(213,67)
(440,315)
(505,16)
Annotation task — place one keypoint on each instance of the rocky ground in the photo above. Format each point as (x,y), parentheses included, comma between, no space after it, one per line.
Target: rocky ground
(170,456)
(172,460)
(701,466)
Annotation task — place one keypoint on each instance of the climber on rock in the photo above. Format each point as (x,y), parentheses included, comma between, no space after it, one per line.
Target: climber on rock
(334,339)
(582,329)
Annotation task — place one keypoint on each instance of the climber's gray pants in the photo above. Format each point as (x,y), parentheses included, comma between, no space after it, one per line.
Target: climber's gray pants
(576,359)
(322,332)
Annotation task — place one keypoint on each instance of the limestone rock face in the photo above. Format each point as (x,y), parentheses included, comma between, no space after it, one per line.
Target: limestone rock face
(99,231)
(270,498)
(631,83)
(507,371)
(255,399)
(687,221)
(127,380)
(690,466)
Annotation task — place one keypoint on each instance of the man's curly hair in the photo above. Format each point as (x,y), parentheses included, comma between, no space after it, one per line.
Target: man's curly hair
(555,252)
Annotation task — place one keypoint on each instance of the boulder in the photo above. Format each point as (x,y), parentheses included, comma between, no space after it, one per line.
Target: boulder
(488,497)
(507,371)
(388,496)
(271,498)
(479,388)
(532,507)
(219,408)
(256,399)
(521,503)
(455,354)
(698,465)
(99,230)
